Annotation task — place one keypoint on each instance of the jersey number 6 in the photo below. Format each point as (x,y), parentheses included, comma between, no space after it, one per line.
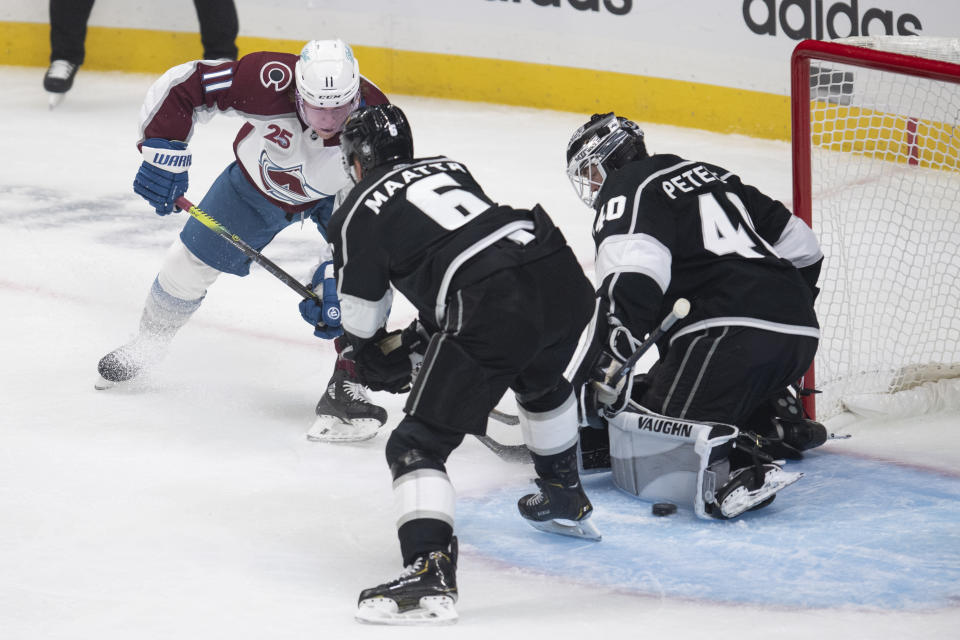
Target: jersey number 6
(440,197)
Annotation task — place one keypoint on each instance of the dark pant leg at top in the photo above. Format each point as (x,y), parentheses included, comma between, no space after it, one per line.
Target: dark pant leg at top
(723,374)
(517,328)
(68,29)
(218,28)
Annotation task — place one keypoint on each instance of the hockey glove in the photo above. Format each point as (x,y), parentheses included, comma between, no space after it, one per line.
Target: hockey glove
(383,364)
(162,177)
(416,338)
(323,312)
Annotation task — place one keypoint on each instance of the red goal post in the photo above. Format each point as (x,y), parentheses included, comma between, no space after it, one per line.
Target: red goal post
(876,136)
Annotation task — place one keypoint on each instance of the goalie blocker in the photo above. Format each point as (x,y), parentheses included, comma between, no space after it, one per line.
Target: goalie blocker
(707,466)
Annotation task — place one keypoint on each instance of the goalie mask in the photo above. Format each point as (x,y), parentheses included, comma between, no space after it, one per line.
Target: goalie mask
(598,148)
(374,136)
(328,85)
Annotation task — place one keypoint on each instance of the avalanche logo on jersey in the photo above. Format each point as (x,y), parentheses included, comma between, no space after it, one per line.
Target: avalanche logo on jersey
(275,75)
(286,184)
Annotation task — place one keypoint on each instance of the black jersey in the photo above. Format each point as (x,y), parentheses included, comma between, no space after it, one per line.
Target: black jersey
(667,228)
(427,228)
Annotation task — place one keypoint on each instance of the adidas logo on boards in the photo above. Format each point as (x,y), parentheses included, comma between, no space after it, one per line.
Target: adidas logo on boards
(616,7)
(819,19)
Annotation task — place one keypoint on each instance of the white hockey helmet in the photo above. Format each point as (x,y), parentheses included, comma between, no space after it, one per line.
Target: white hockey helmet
(328,85)
(327,74)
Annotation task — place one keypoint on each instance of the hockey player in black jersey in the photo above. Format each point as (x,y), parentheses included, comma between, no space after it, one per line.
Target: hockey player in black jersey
(502,302)
(669,228)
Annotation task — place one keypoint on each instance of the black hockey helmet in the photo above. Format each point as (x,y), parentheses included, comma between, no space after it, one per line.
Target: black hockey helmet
(375,135)
(598,148)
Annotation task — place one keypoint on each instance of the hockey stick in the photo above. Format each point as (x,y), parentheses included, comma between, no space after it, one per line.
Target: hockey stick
(505,418)
(508,452)
(210,223)
(607,390)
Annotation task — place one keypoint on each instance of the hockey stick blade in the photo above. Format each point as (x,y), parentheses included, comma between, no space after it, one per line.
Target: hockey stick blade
(508,452)
(505,418)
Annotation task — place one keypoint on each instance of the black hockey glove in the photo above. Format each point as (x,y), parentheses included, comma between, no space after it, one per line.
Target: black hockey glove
(383,364)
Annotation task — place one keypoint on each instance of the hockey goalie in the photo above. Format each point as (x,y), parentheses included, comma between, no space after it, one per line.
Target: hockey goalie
(705,425)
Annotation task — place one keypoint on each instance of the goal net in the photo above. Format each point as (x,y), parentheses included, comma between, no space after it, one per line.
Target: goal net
(876,146)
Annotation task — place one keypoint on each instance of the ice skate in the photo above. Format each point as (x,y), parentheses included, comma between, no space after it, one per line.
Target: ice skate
(750,488)
(58,80)
(345,413)
(130,360)
(424,594)
(803,434)
(787,433)
(162,317)
(560,509)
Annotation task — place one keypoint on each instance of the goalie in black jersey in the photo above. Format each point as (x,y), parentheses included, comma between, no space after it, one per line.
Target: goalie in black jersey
(668,228)
(501,302)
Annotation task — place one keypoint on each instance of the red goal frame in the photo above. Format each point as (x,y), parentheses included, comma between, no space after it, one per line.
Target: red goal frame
(803,53)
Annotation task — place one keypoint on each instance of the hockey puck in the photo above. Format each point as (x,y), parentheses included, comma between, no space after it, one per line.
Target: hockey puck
(664,509)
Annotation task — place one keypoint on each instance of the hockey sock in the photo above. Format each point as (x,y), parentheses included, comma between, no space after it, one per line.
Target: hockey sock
(164,314)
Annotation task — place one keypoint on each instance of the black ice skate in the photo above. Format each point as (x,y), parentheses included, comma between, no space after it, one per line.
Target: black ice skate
(130,360)
(345,413)
(803,434)
(58,80)
(559,508)
(424,593)
(784,429)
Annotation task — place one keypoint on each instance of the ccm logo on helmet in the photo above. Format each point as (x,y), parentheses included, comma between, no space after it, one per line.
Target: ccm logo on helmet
(616,7)
(277,75)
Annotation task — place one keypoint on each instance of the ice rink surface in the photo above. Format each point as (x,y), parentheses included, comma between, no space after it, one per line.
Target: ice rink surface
(190,505)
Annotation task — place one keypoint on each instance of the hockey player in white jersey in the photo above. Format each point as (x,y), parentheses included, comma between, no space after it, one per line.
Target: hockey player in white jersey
(667,228)
(287,169)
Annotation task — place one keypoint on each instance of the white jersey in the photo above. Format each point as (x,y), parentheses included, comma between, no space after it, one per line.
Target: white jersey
(287,162)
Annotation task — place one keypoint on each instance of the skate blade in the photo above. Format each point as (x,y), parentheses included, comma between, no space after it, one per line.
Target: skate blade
(433,610)
(574,529)
(333,429)
(102,384)
(742,500)
(54,99)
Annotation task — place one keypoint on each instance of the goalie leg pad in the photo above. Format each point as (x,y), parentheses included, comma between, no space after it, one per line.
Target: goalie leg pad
(664,459)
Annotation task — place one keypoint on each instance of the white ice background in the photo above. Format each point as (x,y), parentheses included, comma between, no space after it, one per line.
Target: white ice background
(190,505)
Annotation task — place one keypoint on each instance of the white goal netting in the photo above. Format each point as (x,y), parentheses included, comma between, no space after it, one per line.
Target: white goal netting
(885,203)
